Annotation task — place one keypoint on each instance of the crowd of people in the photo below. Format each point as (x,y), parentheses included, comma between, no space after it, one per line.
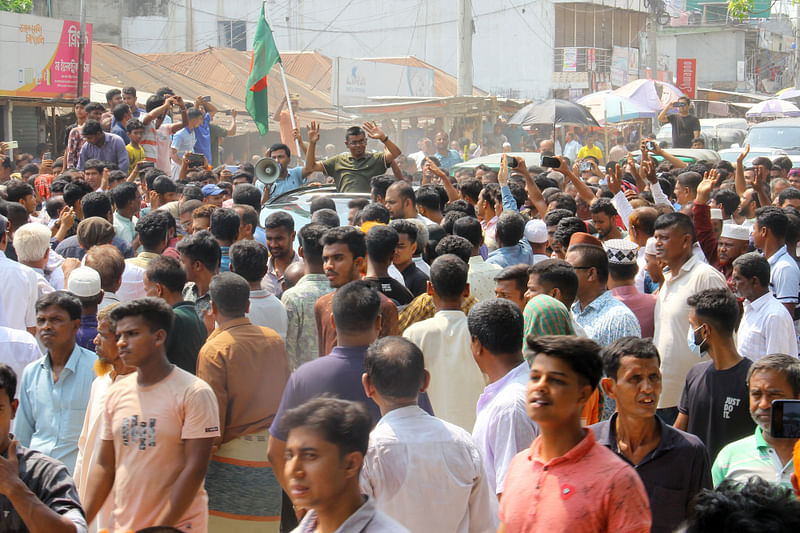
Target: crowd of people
(515,350)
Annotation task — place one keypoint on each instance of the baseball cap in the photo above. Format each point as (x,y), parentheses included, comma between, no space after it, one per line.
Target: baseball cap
(211,190)
(84,282)
(536,231)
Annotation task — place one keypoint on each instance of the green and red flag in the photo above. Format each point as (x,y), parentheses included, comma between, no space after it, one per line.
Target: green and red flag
(265,55)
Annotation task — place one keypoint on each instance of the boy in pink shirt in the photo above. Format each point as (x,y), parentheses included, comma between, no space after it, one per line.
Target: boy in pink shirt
(566,481)
(159,426)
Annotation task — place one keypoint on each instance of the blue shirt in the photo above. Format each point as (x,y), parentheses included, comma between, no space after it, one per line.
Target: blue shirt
(260,235)
(87,332)
(183,141)
(338,374)
(448,160)
(119,129)
(50,415)
(203,135)
(511,255)
(294,180)
(606,319)
(113,151)
(224,259)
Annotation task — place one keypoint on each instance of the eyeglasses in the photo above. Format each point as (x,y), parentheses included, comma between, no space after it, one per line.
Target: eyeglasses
(357,143)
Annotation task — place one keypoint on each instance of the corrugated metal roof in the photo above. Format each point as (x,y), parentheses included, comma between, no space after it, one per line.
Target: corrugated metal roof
(227,70)
(115,66)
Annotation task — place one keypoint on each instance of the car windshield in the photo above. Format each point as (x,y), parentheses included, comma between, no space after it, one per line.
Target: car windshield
(783,137)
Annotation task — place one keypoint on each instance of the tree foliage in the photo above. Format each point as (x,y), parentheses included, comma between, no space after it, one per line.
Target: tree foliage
(740,9)
(16,6)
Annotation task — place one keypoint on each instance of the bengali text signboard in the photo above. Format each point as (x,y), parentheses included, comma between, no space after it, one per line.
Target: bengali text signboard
(40,57)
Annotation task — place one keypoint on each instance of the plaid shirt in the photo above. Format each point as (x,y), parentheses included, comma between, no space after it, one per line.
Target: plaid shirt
(422,308)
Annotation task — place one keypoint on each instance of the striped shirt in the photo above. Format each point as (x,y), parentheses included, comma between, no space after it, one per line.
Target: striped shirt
(751,456)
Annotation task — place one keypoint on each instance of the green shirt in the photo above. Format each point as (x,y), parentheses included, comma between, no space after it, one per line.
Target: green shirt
(216,133)
(354,175)
(187,336)
(751,456)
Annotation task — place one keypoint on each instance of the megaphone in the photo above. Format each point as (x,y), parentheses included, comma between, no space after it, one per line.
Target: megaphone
(267,170)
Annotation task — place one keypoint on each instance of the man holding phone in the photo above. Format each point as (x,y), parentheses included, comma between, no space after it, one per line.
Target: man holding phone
(774,377)
(685,127)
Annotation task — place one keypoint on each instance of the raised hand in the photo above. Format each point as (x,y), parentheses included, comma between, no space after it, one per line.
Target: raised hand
(313,132)
(614,179)
(373,130)
(705,187)
(648,170)
(743,154)
(502,173)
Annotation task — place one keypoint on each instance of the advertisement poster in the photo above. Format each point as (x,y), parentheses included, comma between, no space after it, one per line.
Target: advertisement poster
(40,57)
(356,80)
(570,60)
(686,75)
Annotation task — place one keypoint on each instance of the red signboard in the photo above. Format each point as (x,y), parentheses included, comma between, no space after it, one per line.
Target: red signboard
(687,76)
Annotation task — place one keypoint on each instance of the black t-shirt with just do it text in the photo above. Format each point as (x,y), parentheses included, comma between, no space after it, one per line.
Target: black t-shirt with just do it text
(717,403)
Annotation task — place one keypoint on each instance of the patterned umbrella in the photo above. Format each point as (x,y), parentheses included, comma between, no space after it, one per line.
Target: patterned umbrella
(788,94)
(650,94)
(773,109)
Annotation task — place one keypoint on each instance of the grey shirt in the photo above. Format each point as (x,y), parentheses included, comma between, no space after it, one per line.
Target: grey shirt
(676,470)
(50,481)
(368,519)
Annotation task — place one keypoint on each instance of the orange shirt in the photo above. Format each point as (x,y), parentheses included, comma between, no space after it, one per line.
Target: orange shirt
(587,490)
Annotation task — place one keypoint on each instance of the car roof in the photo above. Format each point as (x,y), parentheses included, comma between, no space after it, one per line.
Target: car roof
(298,204)
(780,122)
(493,160)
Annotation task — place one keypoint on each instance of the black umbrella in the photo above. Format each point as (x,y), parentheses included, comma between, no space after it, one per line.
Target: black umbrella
(556,112)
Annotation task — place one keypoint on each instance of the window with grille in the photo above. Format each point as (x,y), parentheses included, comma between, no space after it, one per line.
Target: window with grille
(232,34)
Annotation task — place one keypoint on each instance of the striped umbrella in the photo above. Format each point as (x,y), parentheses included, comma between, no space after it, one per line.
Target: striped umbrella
(773,109)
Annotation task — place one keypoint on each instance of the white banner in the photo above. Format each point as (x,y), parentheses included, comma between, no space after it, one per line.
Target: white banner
(354,81)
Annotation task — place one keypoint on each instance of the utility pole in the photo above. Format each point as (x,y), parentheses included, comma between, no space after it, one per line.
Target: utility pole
(464,52)
(652,45)
(797,47)
(189,27)
(81,49)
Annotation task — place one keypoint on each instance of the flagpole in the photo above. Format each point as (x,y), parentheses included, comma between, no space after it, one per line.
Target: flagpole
(291,111)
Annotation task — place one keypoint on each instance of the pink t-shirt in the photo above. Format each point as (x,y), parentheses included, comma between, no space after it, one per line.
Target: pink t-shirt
(149,426)
(587,490)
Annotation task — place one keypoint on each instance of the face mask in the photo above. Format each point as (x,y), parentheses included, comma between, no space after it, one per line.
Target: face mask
(691,340)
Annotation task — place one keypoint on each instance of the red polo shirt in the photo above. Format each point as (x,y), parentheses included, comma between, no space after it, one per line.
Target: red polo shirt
(589,489)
